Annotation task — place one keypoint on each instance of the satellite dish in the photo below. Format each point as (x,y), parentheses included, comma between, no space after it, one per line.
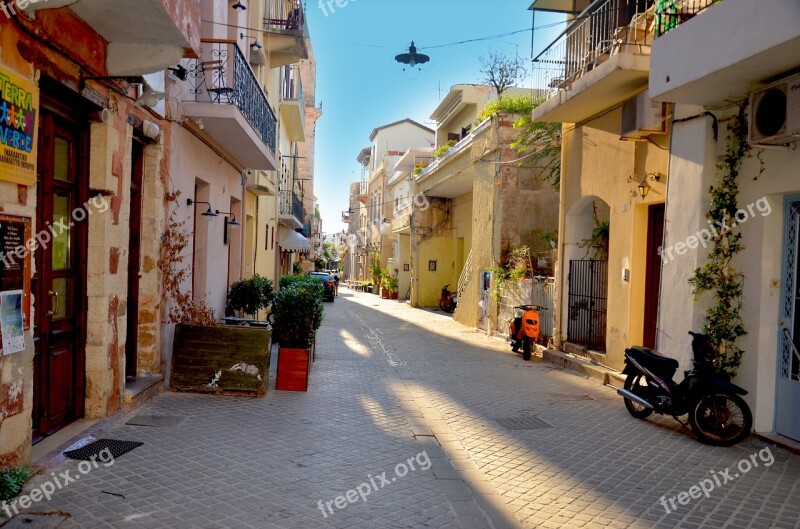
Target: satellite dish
(412,58)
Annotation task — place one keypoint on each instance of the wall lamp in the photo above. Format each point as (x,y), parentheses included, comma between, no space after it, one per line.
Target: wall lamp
(255,46)
(232,223)
(239,5)
(209,214)
(644,189)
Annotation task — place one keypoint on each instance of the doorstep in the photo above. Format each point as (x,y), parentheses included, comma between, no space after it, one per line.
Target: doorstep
(604,375)
(142,389)
(778,439)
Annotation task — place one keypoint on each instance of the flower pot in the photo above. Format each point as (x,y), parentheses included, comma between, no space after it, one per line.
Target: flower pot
(394,294)
(293,368)
(385,294)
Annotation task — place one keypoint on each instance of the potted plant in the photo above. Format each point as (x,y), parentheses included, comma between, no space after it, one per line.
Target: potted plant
(248,296)
(208,357)
(297,311)
(375,270)
(392,284)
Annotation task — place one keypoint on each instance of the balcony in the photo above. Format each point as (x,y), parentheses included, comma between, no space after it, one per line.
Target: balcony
(226,101)
(401,220)
(733,46)
(285,21)
(258,183)
(292,105)
(144,36)
(599,61)
(362,195)
(290,210)
(452,174)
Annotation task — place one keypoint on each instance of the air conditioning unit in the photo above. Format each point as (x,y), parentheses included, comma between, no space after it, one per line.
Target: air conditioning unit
(642,117)
(775,113)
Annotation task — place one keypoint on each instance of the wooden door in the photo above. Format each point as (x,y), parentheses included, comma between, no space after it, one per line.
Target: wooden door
(59,284)
(134,257)
(655,238)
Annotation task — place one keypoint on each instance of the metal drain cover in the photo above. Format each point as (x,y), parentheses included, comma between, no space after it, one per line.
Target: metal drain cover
(527,422)
(156,420)
(95,450)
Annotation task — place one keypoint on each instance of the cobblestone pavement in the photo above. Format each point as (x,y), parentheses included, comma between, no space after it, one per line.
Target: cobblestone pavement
(496,443)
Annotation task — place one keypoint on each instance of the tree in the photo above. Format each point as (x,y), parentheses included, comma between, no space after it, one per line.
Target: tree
(502,72)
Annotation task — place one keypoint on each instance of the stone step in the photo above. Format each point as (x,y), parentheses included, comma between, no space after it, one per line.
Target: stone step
(145,387)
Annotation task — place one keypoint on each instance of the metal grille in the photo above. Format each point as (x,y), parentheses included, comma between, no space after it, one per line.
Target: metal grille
(223,76)
(588,303)
(671,13)
(605,28)
(285,15)
(790,364)
(525,422)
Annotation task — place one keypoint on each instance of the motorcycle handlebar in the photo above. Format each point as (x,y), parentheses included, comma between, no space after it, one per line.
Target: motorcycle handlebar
(536,307)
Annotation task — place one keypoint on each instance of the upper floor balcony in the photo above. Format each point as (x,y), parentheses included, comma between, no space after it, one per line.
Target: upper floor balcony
(144,36)
(599,61)
(710,52)
(223,97)
(285,22)
(290,209)
(363,192)
(452,174)
(292,105)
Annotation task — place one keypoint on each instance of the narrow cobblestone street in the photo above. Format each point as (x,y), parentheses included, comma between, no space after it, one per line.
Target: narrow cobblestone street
(506,444)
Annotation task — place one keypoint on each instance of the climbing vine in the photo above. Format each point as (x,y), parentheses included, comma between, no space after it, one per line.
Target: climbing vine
(182,307)
(724,324)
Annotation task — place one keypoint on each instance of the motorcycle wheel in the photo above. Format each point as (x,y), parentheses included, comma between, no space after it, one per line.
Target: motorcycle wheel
(527,346)
(444,305)
(637,384)
(721,419)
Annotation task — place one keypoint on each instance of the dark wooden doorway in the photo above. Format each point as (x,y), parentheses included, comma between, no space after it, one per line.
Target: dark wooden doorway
(59,284)
(655,238)
(134,259)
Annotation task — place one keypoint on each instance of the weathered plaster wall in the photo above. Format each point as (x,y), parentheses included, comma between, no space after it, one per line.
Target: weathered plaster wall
(598,168)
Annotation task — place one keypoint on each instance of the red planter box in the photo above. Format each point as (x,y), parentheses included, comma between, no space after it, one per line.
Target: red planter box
(293,368)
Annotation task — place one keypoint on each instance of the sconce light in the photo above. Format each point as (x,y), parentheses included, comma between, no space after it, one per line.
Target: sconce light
(644,188)
(149,97)
(255,46)
(209,214)
(179,71)
(233,223)
(239,5)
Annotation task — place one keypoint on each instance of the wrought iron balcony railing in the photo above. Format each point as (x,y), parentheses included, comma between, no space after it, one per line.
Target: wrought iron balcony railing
(605,28)
(669,14)
(290,204)
(223,76)
(291,85)
(284,14)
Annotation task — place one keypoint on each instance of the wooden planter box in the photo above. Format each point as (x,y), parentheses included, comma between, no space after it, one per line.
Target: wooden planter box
(220,360)
(294,366)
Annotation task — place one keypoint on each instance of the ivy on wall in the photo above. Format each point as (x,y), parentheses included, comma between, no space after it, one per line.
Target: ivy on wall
(183,308)
(718,277)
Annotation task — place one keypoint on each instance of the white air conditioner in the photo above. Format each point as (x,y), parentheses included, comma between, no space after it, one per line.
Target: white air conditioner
(775,113)
(642,117)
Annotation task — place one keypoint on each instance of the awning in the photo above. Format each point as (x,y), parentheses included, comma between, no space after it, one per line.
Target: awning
(292,242)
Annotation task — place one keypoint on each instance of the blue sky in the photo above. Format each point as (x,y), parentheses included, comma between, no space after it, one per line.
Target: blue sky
(360,86)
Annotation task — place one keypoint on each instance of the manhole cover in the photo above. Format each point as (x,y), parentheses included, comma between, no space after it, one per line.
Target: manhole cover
(156,420)
(36,521)
(102,446)
(528,422)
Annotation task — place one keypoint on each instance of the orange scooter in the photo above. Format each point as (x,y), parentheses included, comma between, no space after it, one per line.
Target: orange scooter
(524,329)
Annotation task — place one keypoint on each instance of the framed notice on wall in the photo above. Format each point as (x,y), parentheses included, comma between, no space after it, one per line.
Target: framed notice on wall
(15,260)
(19,103)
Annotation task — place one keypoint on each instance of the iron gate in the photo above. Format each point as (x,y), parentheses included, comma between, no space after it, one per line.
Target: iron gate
(588,303)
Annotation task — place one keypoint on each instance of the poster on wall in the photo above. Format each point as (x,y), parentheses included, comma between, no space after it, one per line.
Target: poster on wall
(15,259)
(11,323)
(19,101)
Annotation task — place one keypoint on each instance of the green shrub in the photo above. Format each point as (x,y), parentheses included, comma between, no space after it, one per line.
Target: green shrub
(520,105)
(11,482)
(441,151)
(251,295)
(298,310)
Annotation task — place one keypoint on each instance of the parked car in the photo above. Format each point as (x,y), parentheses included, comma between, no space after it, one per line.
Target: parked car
(327,280)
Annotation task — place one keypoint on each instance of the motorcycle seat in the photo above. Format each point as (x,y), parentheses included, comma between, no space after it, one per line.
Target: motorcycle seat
(650,359)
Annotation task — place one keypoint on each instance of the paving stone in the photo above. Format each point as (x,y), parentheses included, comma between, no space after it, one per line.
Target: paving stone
(387,379)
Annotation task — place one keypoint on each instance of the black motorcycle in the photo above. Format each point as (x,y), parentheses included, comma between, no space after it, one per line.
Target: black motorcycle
(717,413)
